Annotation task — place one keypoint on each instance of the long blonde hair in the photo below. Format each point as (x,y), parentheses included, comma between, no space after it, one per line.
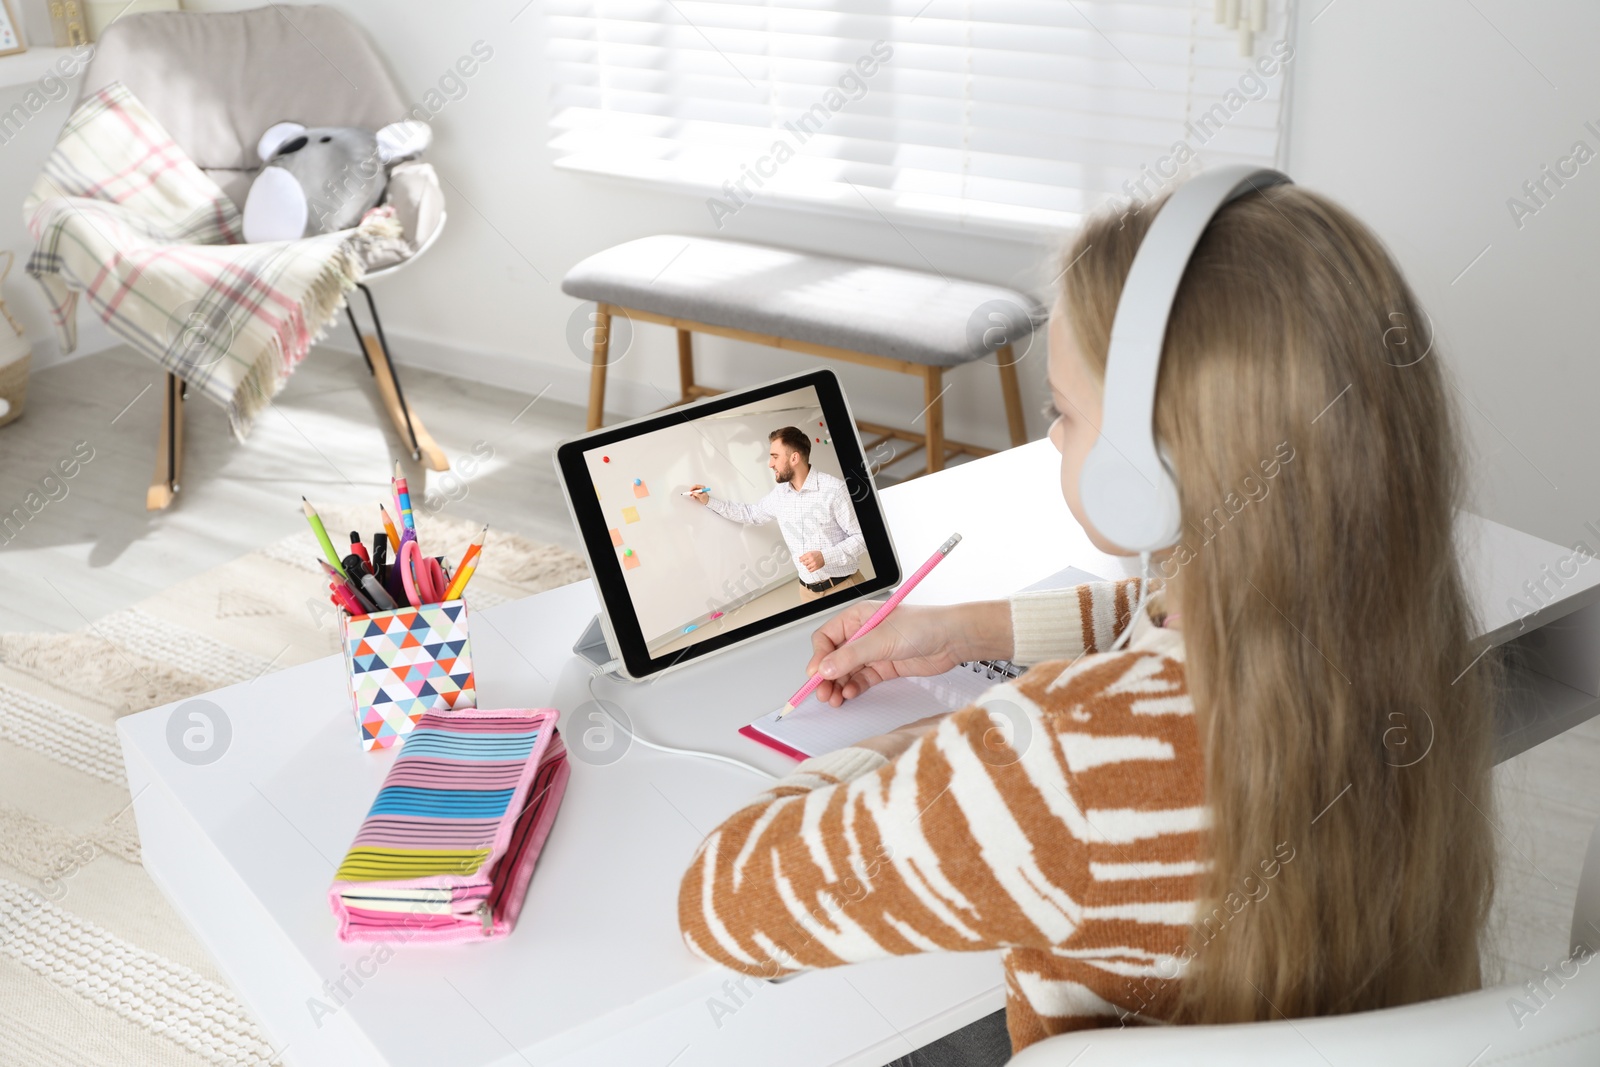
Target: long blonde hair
(1327,633)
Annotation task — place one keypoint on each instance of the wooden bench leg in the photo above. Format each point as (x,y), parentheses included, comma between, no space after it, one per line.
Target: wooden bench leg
(169,452)
(1013,395)
(686,364)
(597,373)
(933,393)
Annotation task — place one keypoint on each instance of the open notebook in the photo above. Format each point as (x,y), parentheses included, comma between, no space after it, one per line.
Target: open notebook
(814,727)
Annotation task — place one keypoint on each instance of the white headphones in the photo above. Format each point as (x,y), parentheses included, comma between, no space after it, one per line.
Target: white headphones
(1126,486)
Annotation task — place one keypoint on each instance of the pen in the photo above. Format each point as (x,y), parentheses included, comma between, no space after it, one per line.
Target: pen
(388,526)
(322,536)
(467,565)
(878,616)
(380,553)
(376,593)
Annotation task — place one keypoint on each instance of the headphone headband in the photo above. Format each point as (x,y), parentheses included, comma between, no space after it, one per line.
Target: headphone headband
(1126,486)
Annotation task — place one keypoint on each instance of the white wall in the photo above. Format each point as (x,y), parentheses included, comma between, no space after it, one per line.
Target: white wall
(1423,117)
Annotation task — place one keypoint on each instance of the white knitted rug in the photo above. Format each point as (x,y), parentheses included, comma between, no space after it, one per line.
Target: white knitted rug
(95,967)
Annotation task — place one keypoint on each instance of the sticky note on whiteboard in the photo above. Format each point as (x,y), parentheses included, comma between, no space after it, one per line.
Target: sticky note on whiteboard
(640,490)
(630,514)
(616,537)
(630,561)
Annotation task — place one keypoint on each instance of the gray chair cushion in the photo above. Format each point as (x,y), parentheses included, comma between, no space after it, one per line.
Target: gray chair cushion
(861,307)
(216,81)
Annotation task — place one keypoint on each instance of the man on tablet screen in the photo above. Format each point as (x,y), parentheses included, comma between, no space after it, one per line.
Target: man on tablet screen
(813,512)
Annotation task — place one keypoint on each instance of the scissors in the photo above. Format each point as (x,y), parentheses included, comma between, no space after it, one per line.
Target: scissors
(421,576)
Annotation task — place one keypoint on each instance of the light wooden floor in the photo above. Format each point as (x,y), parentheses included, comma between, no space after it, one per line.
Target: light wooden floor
(97,550)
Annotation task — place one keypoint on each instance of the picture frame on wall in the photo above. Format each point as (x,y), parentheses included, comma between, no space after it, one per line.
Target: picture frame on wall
(10,31)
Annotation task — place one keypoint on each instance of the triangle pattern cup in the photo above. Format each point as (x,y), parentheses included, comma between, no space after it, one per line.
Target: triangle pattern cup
(405,663)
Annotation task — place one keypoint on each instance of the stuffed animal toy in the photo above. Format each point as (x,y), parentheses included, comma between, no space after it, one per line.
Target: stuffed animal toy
(320,179)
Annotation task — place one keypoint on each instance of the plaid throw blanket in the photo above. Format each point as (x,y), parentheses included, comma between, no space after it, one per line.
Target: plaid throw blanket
(124,217)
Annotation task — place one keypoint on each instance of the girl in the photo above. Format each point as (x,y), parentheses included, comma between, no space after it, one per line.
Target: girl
(1273,801)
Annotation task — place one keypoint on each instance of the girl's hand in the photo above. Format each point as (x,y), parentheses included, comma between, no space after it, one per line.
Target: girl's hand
(915,640)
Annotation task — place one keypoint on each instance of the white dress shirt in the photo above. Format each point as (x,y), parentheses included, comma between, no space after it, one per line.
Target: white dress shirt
(818,517)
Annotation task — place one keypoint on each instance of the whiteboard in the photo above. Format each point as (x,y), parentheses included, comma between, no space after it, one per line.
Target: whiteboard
(690,562)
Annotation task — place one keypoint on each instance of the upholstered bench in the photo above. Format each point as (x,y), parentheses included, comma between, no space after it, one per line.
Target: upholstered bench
(908,321)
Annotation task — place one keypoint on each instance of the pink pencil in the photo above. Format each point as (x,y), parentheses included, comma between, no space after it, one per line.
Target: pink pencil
(878,616)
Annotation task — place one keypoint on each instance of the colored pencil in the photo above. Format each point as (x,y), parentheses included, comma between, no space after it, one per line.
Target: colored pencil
(343,581)
(402,497)
(467,565)
(878,616)
(341,596)
(322,536)
(388,527)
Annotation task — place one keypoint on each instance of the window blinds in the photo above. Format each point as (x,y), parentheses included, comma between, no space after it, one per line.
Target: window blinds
(982,113)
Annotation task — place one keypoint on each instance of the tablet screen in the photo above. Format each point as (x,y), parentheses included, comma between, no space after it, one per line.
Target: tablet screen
(718,521)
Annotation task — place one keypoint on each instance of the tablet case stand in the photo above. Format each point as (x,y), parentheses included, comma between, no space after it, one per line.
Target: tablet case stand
(592,647)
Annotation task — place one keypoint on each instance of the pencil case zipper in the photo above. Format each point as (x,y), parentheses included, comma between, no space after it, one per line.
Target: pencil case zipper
(510,876)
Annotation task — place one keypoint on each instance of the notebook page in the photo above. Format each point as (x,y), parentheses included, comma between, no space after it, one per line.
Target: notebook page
(814,727)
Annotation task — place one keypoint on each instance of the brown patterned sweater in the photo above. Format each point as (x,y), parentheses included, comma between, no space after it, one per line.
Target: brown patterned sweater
(1066,828)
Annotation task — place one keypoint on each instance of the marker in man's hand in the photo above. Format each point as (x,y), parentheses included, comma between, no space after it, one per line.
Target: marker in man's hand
(699,489)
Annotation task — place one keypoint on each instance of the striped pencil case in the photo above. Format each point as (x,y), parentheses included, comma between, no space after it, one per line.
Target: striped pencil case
(449,845)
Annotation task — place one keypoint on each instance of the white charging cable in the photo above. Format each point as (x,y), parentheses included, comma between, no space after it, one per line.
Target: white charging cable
(635,735)
(1138,611)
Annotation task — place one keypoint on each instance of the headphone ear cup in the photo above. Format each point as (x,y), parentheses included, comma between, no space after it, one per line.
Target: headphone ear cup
(1125,506)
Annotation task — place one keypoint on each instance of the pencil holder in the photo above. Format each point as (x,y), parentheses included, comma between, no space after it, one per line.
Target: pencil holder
(405,663)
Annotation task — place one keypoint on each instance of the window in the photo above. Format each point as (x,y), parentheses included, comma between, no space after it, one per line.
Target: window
(1010,114)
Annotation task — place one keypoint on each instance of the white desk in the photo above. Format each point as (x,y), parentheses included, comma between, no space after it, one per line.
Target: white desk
(245,847)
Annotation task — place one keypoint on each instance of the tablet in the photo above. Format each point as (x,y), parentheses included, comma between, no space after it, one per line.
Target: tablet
(709,524)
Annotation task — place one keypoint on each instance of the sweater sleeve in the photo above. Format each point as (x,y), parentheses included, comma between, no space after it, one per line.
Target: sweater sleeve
(1066,623)
(852,857)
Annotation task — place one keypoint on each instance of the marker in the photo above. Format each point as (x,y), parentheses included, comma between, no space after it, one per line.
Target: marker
(388,527)
(467,565)
(322,536)
(380,555)
(878,616)
(360,550)
(692,492)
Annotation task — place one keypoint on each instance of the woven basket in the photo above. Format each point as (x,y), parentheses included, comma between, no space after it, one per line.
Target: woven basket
(15,353)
